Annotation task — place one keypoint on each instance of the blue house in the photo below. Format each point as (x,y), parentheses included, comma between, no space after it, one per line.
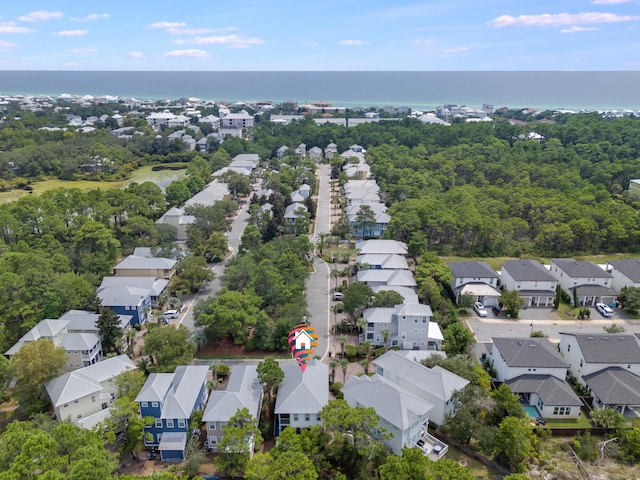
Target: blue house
(170,399)
(127,300)
(377,224)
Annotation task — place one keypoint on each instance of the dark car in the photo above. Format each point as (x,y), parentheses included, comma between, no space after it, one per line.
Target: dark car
(496,311)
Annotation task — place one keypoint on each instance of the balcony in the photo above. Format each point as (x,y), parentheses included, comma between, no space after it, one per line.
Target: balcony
(431,446)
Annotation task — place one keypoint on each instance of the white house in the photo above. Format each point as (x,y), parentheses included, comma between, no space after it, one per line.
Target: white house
(389,278)
(617,388)
(84,395)
(512,357)
(390,247)
(476,279)
(550,396)
(244,390)
(301,396)
(624,273)
(435,385)
(592,283)
(534,283)
(237,120)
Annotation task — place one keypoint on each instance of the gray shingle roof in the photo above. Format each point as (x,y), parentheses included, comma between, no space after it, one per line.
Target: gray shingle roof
(306,392)
(607,348)
(394,404)
(615,386)
(472,269)
(630,268)
(528,352)
(527,270)
(551,390)
(580,269)
(243,390)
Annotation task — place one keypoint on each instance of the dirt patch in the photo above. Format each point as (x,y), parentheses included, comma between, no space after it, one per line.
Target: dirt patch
(227,349)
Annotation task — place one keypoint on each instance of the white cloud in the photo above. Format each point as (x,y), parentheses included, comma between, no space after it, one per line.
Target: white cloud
(40,16)
(81,50)
(188,31)
(134,55)
(609,2)
(455,49)
(91,18)
(575,29)
(167,25)
(71,33)
(422,42)
(550,20)
(352,43)
(233,41)
(192,52)
(5,46)
(10,27)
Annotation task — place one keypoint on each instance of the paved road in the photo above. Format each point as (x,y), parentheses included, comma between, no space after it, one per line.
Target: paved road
(318,282)
(212,288)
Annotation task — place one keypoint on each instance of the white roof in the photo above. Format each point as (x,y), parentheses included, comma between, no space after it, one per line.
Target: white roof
(403,278)
(381,246)
(384,260)
(155,286)
(392,403)
(290,211)
(145,263)
(306,392)
(76,342)
(243,390)
(122,296)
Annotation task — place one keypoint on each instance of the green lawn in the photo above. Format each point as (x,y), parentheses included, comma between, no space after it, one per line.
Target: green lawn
(580,422)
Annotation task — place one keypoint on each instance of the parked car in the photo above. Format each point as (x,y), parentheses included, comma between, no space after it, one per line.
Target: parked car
(337,296)
(168,314)
(480,310)
(604,309)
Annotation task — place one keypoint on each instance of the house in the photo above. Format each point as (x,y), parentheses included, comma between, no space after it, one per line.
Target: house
(244,390)
(389,278)
(534,283)
(155,286)
(167,118)
(179,220)
(315,154)
(84,395)
(170,399)
(209,195)
(239,120)
(330,150)
(390,247)
(634,187)
(403,415)
(590,353)
(156,267)
(407,326)
(624,273)
(301,396)
(435,385)
(408,294)
(76,331)
(132,301)
(360,196)
(592,283)
(305,190)
(301,151)
(476,279)
(376,224)
(281,152)
(294,212)
(550,396)
(617,388)
(513,357)
(382,261)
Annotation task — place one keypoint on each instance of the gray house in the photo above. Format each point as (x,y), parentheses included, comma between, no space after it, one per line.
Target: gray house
(592,283)
(476,279)
(616,388)
(536,285)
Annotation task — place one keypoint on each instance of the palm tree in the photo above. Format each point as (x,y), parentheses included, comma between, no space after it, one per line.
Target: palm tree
(365,216)
(385,338)
(130,337)
(143,365)
(214,366)
(367,348)
(333,364)
(200,339)
(342,339)
(365,364)
(212,384)
(344,363)
(361,324)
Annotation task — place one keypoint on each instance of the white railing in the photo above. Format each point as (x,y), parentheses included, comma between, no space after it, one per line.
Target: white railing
(431,446)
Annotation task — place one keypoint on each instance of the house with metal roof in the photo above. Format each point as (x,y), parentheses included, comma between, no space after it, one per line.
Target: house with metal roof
(155,286)
(408,294)
(477,279)
(170,399)
(134,302)
(617,388)
(402,414)
(435,385)
(624,273)
(375,226)
(389,278)
(244,390)
(156,267)
(379,246)
(301,396)
(177,218)
(534,283)
(84,395)
(408,327)
(588,353)
(592,283)
(382,261)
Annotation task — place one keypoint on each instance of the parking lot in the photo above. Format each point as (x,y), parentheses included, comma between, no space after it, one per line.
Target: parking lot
(547,321)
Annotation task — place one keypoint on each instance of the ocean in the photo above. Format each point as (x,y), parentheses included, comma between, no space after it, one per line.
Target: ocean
(421,90)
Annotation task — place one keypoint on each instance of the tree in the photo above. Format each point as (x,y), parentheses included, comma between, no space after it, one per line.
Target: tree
(110,330)
(295,465)
(123,427)
(414,465)
(129,383)
(168,347)
(342,340)
(630,445)
(5,376)
(465,300)
(458,339)
(507,404)
(95,249)
(270,375)
(34,364)
(240,436)
(194,457)
(630,299)
(216,247)
(357,296)
(511,302)
(239,184)
(365,217)
(177,193)
(387,298)
(191,274)
(516,443)
(608,418)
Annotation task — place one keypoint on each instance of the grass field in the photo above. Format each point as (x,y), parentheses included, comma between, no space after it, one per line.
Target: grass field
(142,174)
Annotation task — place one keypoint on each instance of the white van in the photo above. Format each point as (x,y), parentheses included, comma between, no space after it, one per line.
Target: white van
(168,314)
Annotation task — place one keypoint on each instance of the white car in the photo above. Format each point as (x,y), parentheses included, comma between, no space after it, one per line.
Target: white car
(604,309)
(480,310)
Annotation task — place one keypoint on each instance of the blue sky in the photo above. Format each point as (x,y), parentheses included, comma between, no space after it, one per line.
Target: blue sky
(321,35)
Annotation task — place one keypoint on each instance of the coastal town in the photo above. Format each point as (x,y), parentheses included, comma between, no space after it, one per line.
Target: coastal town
(176,355)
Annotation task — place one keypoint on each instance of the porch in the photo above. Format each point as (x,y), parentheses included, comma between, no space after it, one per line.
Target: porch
(431,446)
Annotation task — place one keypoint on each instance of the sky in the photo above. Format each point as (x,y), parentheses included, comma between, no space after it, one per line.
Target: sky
(308,35)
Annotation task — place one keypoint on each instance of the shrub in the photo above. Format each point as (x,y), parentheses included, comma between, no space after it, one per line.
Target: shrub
(224,370)
(335,388)
(350,351)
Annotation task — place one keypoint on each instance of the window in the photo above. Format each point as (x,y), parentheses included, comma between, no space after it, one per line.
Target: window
(212,425)
(159,437)
(213,441)
(182,424)
(222,425)
(144,404)
(75,401)
(158,423)
(415,320)
(65,405)
(317,418)
(307,418)
(569,348)
(424,319)
(93,399)
(295,417)
(415,330)
(154,404)
(170,423)
(424,330)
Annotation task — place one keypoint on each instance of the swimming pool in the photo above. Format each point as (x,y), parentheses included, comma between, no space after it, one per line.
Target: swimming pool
(531,411)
